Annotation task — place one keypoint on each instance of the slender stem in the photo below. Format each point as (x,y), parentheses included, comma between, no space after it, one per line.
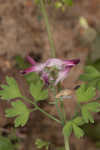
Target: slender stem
(41,110)
(43,9)
(48,115)
(32,110)
(59,112)
(63,110)
(66,140)
(62,116)
(56,104)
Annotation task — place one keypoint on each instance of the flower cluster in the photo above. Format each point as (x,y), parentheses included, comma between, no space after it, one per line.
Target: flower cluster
(63,67)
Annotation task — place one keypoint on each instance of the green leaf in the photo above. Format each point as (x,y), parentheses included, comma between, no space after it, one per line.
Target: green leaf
(90,74)
(78,121)
(98,85)
(11,90)
(74,125)
(32,78)
(20,111)
(87,115)
(87,108)
(41,144)
(84,93)
(77,131)
(5,144)
(21,63)
(93,83)
(68,2)
(38,92)
(96,63)
(67,130)
(94,106)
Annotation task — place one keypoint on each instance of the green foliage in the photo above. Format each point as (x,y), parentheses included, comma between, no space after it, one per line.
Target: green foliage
(21,63)
(87,108)
(11,90)
(63,3)
(92,76)
(67,130)
(42,144)
(74,125)
(32,78)
(58,2)
(60,148)
(77,131)
(20,111)
(5,144)
(78,121)
(96,64)
(38,92)
(85,93)
(68,2)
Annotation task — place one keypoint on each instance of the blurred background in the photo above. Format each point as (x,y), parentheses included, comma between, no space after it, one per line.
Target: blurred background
(22,33)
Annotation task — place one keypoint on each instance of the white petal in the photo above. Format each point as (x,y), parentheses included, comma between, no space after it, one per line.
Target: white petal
(54,62)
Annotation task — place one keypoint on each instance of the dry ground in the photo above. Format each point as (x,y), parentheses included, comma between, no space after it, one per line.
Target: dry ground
(22,31)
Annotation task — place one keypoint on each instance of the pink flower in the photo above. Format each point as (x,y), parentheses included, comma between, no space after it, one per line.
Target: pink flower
(45,77)
(36,67)
(62,75)
(61,63)
(63,67)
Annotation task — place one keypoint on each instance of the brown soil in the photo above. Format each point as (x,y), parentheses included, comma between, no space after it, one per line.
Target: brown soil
(22,31)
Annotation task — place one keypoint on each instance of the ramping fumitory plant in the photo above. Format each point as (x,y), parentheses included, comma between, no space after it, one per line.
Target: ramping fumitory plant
(39,92)
(43,68)
(43,76)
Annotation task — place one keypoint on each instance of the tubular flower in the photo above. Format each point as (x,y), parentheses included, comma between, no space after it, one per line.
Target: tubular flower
(45,77)
(31,60)
(63,67)
(61,63)
(36,67)
(62,75)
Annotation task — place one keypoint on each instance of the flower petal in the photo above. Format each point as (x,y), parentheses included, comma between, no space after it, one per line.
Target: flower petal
(54,62)
(45,77)
(63,66)
(72,62)
(62,75)
(28,70)
(36,68)
(60,63)
(31,60)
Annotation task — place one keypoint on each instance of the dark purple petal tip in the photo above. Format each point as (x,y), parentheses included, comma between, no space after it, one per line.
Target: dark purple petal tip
(76,61)
(31,60)
(23,72)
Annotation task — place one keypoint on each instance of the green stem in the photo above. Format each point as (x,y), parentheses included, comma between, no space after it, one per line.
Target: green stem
(62,116)
(43,9)
(41,110)
(48,115)
(56,104)
(63,110)
(59,112)
(66,140)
